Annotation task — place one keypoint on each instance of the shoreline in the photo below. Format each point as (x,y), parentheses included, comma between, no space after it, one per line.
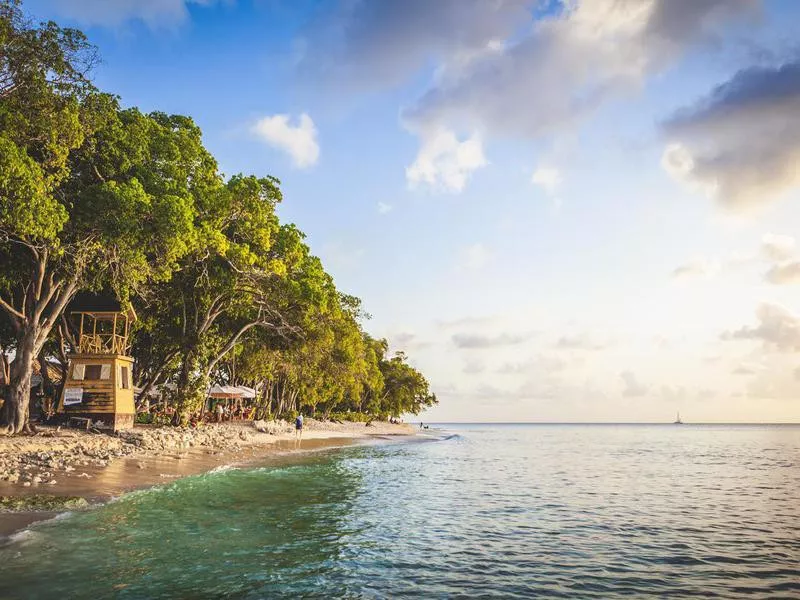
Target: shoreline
(157,456)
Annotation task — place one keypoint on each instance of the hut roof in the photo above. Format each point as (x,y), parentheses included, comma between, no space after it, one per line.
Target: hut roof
(98,303)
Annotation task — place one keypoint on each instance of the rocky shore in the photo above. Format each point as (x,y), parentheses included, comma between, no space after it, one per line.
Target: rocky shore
(31,465)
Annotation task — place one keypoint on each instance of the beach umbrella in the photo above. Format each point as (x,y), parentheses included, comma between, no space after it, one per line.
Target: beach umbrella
(225,391)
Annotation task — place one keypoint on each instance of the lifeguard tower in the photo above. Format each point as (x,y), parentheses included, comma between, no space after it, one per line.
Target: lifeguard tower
(99,385)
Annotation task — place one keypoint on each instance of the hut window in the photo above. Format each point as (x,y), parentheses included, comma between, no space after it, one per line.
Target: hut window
(105,372)
(78,371)
(123,378)
(93,372)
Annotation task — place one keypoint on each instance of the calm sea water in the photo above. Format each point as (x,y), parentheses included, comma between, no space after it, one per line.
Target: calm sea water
(505,511)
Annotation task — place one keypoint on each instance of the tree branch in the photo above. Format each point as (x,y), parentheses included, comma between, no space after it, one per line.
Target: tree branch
(12,312)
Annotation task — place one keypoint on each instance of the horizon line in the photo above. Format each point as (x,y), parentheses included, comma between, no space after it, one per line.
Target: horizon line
(610,422)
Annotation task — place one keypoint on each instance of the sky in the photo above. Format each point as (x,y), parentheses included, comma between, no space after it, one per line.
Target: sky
(578,210)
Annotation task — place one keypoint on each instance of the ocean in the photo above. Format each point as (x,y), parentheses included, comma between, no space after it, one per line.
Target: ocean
(507,511)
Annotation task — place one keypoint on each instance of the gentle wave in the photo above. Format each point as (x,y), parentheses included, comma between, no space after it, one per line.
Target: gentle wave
(510,512)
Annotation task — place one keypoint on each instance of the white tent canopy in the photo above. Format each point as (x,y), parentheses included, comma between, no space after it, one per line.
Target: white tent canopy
(225,391)
(246,391)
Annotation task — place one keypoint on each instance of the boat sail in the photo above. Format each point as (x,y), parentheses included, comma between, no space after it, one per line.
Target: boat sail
(678,419)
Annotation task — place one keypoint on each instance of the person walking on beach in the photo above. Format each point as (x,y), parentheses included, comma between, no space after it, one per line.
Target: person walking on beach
(298,427)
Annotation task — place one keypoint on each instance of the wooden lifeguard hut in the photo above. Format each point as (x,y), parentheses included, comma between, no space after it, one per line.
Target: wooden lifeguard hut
(99,382)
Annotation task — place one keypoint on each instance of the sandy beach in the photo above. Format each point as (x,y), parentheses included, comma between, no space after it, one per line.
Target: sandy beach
(56,470)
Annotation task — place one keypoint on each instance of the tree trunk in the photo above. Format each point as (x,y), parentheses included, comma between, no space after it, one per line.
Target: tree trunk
(155,379)
(47,386)
(20,384)
(192,386)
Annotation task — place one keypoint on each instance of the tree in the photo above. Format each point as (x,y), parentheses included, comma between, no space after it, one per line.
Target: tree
(67,155)
(405,389)
(236,282)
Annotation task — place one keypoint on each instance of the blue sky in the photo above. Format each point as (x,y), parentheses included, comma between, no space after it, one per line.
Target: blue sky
(579,210)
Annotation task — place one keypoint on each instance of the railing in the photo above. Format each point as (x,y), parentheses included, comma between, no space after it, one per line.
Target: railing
(102,343)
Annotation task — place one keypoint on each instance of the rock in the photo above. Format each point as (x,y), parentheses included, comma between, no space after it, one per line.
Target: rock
(41,502)
(27,484)
(52,482)
(260,425)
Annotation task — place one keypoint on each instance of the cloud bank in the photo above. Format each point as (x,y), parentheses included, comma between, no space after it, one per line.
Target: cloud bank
(740,145)
(513,68)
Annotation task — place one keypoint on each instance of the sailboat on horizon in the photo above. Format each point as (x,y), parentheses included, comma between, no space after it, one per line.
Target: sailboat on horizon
(678,419)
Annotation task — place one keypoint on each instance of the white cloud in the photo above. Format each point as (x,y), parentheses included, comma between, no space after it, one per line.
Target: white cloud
(699,267)
(777,246)
(778,328)
(581,341)
(548,178)
(299,141)
(475,256)
(776,249)
(787,273)
(746,369)
(443,162)
(384,208)
(480,341)
(112,13)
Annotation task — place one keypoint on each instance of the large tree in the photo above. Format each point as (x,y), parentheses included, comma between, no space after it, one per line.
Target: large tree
(90,195)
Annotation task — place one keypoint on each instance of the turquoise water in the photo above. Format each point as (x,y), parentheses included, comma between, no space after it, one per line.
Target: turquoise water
(505,511)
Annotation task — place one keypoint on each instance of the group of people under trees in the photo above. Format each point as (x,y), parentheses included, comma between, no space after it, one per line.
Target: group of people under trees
(95,196)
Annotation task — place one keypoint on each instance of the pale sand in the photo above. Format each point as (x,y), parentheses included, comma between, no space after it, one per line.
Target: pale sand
(103,479)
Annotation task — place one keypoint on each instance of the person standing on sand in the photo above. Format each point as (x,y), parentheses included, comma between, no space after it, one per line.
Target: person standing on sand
(298,427)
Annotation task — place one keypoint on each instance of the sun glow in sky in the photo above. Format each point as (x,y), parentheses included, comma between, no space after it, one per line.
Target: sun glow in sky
(572,211)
